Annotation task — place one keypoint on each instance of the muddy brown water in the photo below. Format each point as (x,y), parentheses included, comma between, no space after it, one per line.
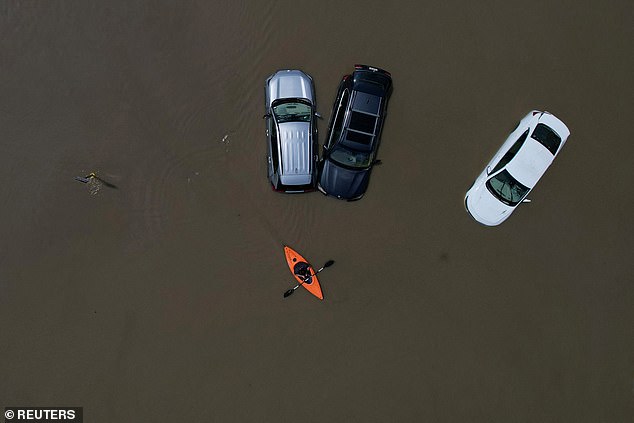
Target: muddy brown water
(161,300)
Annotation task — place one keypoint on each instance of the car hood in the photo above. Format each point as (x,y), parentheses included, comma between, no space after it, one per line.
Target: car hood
(485,208)
(290,84)
(343,183)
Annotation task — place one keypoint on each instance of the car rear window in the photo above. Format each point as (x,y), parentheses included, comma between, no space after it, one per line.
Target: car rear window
(547,137)
(371,87)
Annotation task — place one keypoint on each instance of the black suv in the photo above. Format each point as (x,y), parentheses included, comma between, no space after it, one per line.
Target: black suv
(354,132)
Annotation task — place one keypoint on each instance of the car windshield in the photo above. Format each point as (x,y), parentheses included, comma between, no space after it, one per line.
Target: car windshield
(350,158)
(506,188)
(292,111)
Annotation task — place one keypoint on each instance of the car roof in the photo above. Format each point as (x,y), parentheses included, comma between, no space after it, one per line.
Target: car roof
(530,162)
(365,102)
(535,156)
(296,153)
(361,124)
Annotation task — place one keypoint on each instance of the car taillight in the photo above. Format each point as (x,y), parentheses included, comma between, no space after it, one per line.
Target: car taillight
(373,69)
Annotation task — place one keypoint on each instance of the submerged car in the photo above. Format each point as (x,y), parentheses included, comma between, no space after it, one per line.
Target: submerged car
(515,169)
(354,133)
(291,131)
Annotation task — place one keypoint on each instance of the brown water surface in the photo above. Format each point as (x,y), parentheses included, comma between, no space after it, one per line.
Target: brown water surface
(161,300)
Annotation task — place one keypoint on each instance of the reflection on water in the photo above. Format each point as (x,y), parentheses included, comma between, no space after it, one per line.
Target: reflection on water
(94,186)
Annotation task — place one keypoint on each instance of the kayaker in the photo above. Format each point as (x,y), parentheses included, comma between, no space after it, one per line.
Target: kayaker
(303,271)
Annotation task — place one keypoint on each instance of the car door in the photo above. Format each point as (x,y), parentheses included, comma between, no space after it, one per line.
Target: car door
(508,155)
(273,149)
(499,172)
(315,144)
(340,114)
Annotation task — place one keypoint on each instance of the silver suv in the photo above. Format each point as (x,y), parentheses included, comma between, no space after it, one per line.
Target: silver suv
(291,131)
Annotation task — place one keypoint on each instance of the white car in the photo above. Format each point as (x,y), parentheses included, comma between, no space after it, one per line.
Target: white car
(516,167)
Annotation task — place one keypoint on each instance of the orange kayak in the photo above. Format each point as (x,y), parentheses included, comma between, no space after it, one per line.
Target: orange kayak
(300,267)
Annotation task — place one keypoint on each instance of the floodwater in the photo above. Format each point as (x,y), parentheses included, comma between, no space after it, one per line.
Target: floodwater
(160,299)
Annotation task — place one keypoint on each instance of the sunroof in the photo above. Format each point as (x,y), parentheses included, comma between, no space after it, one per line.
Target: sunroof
(362,122)
(366,103)
(358,137)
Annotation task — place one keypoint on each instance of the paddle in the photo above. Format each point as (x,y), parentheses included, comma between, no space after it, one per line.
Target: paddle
(290,291)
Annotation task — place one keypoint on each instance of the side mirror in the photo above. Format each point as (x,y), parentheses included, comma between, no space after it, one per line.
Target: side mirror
(377,162)
(266,115)
(318,115)
(526,200)
(488,170)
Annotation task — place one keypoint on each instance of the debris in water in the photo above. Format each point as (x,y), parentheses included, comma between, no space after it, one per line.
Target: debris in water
(87,178)
(94,185)
(94,182)
(190,178)
(225,141)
